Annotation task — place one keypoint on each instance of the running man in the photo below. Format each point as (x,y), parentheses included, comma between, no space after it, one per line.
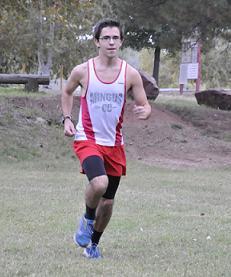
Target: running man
(98,139)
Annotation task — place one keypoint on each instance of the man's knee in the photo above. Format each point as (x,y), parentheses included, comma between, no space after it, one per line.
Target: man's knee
(99,184)
(107,205)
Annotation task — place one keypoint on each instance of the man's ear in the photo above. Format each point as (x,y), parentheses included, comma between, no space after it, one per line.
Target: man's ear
(96,43)
(121,42)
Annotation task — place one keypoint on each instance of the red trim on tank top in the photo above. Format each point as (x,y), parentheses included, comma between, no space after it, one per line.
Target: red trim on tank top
(118,139)
(86,119)
(125,82)
(88,79)
(104,81)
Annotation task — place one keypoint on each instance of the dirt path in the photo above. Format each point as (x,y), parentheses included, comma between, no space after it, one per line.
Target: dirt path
(165,139)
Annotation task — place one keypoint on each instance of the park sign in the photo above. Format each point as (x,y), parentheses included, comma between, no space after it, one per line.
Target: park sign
(190,63)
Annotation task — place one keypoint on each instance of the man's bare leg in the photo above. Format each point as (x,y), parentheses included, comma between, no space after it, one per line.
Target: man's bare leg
(94,191)
(103,214)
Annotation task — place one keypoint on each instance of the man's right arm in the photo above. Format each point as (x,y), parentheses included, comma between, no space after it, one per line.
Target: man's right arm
(67,100)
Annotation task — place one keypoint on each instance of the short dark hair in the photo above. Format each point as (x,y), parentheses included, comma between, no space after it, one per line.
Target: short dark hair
(107,23)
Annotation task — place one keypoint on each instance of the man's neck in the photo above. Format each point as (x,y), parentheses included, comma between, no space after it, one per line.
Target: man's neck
(107,62)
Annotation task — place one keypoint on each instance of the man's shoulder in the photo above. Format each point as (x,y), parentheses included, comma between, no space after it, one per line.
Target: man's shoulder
(132,71)
(80,69)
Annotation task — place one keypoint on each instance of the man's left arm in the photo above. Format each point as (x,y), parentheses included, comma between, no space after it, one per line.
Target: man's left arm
(141,108)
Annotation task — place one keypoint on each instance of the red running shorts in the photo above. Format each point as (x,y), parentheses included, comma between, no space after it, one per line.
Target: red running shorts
(113,156)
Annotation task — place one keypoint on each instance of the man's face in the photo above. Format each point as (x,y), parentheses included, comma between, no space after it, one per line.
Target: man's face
(109,41)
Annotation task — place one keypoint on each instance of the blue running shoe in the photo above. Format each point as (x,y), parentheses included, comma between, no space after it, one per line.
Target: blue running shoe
(83,236)
(92,252)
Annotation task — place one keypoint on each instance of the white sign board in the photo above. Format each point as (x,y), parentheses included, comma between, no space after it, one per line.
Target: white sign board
(192,71)
(194,54)
(188,71)
(190,62)
(183,73)
(189,52)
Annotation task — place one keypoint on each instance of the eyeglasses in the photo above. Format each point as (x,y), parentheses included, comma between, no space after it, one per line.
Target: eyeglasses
(108,38)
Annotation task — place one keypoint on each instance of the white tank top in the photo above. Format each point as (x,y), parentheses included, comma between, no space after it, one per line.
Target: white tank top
(102,108)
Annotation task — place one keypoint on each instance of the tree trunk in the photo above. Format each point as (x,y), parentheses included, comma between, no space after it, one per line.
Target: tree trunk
(46,42)
(45,53)
(156,64)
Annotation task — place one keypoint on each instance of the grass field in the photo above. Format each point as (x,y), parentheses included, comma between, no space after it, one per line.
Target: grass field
(165,222)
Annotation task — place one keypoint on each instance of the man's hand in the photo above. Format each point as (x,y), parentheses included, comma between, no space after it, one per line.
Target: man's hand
(142,112)
(69,128)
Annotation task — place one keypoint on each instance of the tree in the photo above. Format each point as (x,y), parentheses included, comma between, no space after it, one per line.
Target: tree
(38,36)
(162,23)
(216,65)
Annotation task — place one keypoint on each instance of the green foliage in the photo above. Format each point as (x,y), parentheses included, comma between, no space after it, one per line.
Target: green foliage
(216,66)
(146,60)
(36,34)
(166,22)
(42,35)
(163,23)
